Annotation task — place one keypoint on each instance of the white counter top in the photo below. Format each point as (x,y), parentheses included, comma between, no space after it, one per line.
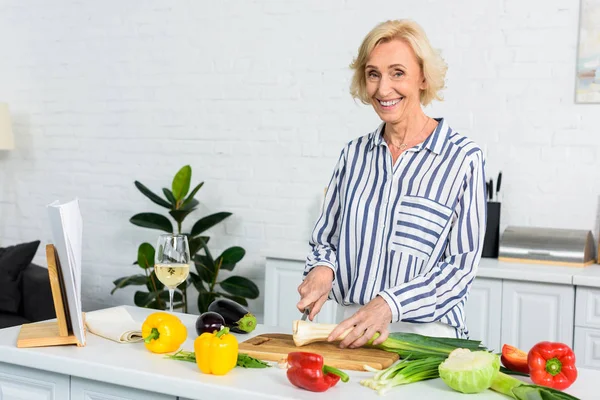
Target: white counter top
(134,366)
(492,268)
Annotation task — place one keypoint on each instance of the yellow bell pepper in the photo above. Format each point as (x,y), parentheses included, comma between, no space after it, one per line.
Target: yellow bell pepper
(217,352)
(163,332)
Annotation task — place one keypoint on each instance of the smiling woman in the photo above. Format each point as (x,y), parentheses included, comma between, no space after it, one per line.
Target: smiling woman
(401,230)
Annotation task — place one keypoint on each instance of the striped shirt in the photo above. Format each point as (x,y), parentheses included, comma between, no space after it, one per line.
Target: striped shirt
(411,233)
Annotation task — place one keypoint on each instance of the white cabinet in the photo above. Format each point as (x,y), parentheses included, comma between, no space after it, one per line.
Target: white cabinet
(85,389)
(483,312)
(282,279)
(21,383)
(587,327)
(533,312)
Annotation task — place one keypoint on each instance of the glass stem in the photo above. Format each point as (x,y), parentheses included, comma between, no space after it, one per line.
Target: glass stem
(171,291)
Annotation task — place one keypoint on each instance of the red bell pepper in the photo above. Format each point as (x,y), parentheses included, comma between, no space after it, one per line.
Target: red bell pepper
(306,371)
(552,364)
(514,359)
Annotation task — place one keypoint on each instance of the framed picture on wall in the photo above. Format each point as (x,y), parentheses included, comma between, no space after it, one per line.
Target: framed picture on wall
(588,53)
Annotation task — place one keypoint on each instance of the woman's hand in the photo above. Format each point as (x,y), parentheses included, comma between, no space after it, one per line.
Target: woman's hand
(315,289)
(375,316)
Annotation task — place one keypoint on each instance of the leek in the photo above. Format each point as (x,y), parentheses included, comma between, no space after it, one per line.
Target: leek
(403,372)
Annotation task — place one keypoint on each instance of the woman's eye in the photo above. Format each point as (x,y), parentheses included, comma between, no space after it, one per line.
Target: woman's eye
(398,74)
(372,74)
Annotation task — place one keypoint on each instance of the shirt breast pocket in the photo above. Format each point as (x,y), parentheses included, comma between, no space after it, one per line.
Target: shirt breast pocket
(419,225)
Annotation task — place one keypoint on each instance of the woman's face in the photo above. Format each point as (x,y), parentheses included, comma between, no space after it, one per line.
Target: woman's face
(394,81)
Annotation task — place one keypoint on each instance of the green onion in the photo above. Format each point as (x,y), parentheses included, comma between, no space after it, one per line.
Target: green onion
(403,372)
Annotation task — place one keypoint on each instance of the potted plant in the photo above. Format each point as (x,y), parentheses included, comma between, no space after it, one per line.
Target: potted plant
(181,203)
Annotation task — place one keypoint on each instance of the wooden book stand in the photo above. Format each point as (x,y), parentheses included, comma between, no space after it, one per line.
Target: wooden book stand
(55,333)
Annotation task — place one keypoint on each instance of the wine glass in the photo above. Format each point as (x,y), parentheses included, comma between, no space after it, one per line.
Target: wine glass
(172,261)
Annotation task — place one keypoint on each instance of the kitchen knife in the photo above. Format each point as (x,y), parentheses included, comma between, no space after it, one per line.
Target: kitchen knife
(305,315)
(498,183)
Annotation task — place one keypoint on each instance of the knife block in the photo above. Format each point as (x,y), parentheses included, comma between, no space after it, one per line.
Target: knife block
(491,241)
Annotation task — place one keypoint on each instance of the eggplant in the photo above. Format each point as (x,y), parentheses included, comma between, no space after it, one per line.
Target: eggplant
(237,318)
(209,322)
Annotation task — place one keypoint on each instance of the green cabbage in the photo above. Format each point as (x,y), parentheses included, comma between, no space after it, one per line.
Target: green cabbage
(469,371)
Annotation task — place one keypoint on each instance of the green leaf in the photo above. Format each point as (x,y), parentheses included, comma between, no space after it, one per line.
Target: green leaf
(153,278)
(208,222)
(196,243)
(190,206)
(143,299)
(177,296)
(179,215)
(237,299)
(204,300)
(145,255)
(197,282)
(191,196)
(205,267)
(181,182)
(152,221)
(240,286)
(231,257)
(129,280)
(169,195)
(154,197)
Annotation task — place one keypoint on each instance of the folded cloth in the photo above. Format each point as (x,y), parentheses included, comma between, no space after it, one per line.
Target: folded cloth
(114,324)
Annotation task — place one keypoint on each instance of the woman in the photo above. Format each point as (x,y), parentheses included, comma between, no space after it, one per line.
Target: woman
(400,234)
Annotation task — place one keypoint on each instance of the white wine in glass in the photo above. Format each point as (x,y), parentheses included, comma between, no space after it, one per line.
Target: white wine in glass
(172,262)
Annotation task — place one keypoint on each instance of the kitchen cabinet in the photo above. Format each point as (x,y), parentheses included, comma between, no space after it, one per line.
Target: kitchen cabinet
(483,312)
(533,312)
(506,304)
(20,383)
(282,278)
(587,327)
(86,389)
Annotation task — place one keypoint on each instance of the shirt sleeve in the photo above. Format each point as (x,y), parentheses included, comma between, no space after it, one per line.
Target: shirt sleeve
(428,297)
(326,233)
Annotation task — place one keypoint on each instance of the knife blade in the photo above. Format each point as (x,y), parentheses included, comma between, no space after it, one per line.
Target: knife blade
(305,315)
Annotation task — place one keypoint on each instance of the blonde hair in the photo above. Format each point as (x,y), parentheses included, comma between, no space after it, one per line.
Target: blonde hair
(431,62)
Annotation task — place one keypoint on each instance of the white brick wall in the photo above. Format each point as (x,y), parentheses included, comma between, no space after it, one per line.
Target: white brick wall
(254,95)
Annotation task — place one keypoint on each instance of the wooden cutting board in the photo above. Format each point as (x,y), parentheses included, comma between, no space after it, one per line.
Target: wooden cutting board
(276,346)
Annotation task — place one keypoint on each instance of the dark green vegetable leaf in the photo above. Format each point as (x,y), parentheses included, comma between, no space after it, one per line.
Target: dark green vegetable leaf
(145,255)
(208,222)
(511,372)
(129,280)
(154,197)
(245,361)
(169,195)
(152,221)
(240,286)
(231,257)
(535,392)
(181,182)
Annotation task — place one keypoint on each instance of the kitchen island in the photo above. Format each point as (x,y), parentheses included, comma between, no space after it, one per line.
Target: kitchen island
(108,370)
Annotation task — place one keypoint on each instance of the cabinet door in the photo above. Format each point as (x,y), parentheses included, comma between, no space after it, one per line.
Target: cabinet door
(534,312)
(587,348)
(85,389)
(282,279)
(20,383)
(484,312)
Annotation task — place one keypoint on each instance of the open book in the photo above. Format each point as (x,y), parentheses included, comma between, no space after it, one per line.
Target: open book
(66,225)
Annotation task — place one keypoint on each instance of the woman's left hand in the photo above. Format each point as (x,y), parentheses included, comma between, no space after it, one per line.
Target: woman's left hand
(375,316)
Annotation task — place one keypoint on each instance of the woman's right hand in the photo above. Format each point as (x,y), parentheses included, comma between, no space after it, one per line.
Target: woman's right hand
(314,290)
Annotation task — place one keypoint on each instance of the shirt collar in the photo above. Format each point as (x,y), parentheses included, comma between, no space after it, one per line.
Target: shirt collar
(434,143)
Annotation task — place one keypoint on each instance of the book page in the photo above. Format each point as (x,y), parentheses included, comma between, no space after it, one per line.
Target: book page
(66,225)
